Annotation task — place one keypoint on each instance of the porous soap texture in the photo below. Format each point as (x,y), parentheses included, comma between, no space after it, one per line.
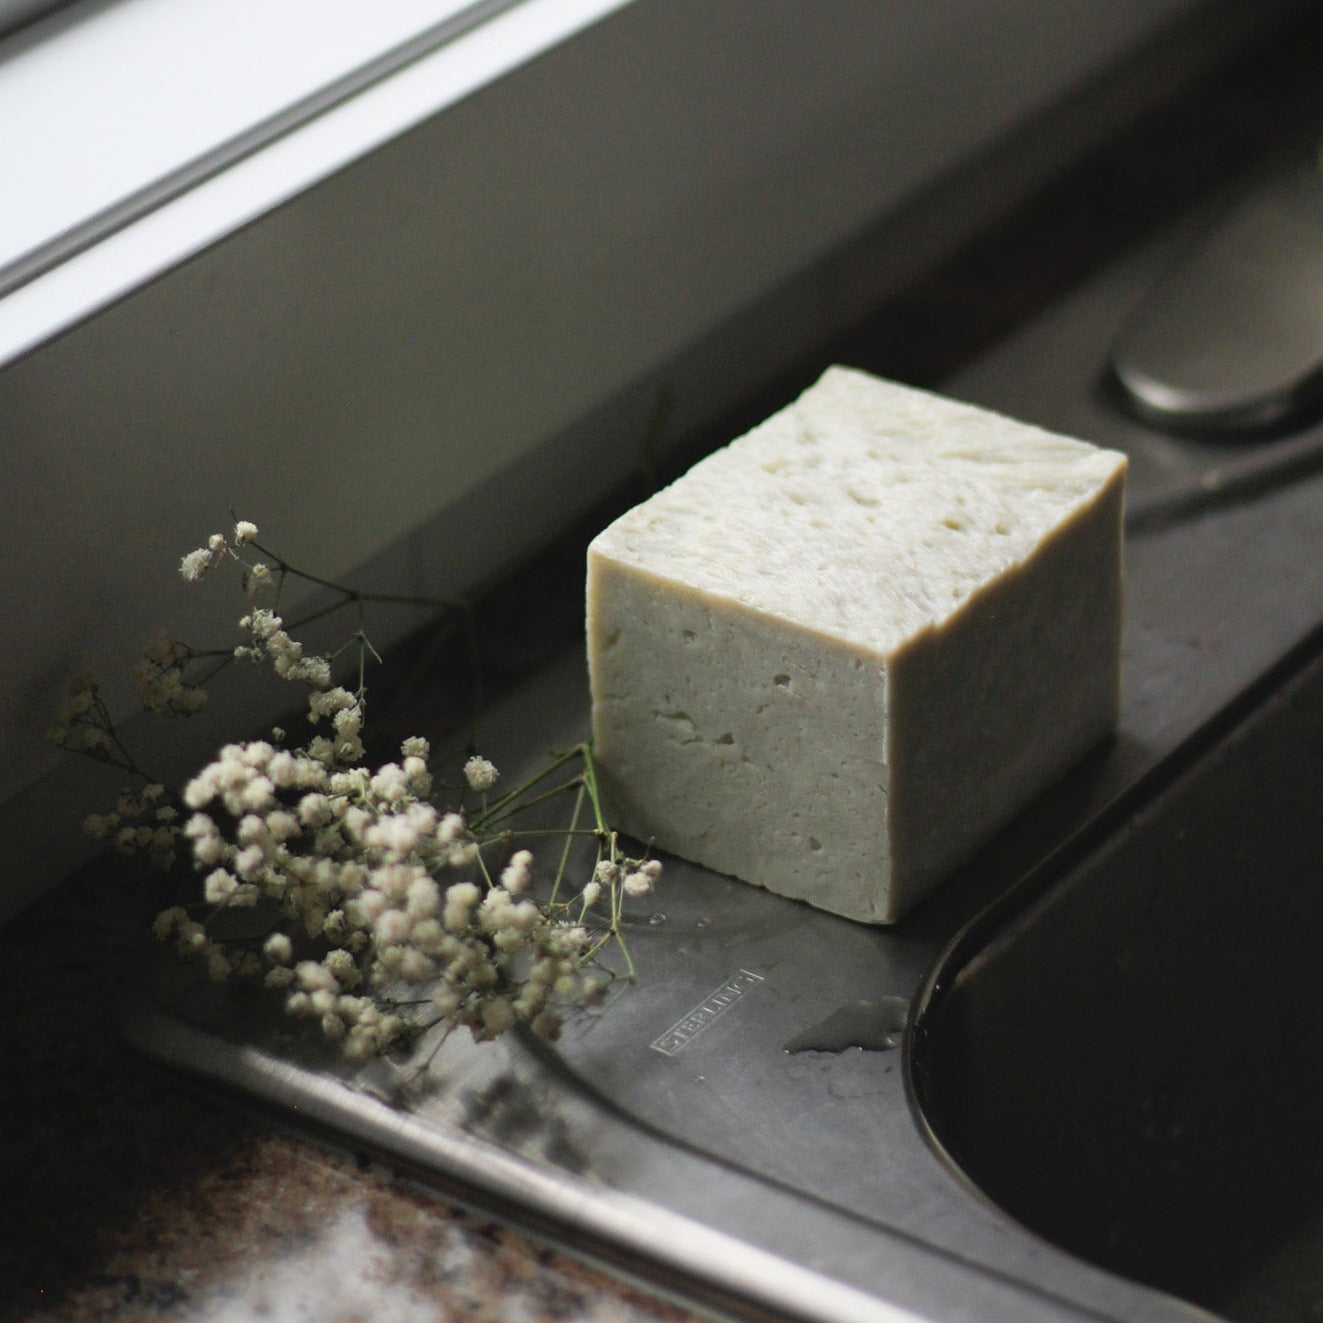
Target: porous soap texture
(837,656)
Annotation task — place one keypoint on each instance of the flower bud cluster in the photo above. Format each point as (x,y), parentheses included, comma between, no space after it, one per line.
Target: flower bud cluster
(374,914)
(376,889)
(271,642)
(196,564)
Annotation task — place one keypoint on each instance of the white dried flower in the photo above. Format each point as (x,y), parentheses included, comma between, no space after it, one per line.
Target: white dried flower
(278,948)
(315,671)
(498,1015)
(201,790)
(415,967)
(480,773)
(249,862)
(391,928)
(264,623)
(259,579)
(328,702)
(463,854)
(368,907)
(450,829)
(282,825)
(220,887)
(424,898)
(637,884)
(343,967)
(424,819)
(335,926)
(313,976)
(461,898)
(393,833)
(348,721)
(285,770)
(518,873)
(322,749)
(194,565)
(244,531)
(419,778)
(360,1045)
(390,785)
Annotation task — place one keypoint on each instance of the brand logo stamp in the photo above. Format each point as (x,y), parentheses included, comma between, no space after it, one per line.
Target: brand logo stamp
(687,1028)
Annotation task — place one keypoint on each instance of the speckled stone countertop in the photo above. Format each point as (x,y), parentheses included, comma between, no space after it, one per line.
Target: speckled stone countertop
(128,1197)
(125,1195)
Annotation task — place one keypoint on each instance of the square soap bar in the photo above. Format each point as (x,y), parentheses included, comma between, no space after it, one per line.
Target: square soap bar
(837,656)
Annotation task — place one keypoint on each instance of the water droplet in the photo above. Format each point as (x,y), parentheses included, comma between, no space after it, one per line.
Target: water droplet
(703,921)
(657,918)
(874,1026)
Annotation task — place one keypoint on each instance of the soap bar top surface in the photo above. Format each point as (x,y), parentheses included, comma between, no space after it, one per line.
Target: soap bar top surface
(866,510)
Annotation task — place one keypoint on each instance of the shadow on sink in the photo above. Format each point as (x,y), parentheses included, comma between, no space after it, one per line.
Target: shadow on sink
(1131,1062)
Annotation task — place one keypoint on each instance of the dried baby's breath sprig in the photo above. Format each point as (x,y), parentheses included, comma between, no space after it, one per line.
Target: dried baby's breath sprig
(383,914)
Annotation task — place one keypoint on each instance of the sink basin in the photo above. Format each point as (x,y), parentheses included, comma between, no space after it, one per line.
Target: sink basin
(1130,1061)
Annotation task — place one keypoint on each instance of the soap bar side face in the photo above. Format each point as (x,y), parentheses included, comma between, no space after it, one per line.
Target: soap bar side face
(991,708)
(735,742)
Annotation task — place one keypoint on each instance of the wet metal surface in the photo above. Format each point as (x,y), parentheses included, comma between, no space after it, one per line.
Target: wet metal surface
(734,1126)
(749,1172)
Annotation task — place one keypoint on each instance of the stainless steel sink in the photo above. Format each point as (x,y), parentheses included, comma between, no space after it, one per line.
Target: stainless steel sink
(1130,1063)
(1124,1052)
(1105,1103)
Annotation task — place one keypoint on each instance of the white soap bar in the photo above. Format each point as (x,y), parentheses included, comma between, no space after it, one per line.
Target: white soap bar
(838,655)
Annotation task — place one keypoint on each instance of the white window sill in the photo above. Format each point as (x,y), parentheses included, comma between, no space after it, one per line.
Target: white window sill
(193,119)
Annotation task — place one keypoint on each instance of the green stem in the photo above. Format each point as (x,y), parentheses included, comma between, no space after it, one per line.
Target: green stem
(498,806)
(585,751)
(623,947)
(532,833)
(565,849)
(492,817)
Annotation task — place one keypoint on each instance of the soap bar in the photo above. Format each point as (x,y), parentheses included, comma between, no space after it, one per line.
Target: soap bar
(838,655)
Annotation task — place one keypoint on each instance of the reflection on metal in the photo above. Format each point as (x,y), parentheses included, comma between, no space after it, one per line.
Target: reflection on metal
(1230,340)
